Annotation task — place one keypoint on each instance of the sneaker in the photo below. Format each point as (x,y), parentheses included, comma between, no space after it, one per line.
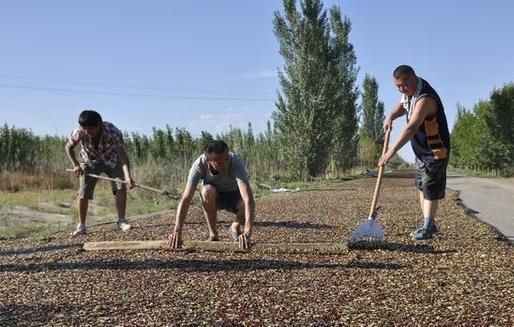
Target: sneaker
(432,228)
(123,225)
(234,233)
(81,230)
(423,234)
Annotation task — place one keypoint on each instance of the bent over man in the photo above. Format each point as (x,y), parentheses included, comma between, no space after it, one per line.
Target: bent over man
(427,130)
(103,152)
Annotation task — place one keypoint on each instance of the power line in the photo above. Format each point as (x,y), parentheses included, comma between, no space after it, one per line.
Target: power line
(155,88)
(28,87)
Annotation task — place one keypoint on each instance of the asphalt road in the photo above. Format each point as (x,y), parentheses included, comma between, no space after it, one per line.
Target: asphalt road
(492,199)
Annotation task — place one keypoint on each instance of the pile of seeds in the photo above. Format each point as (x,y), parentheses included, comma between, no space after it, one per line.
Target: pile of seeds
(464,276)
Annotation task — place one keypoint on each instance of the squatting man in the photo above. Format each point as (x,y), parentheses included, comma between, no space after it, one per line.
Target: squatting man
(225,187)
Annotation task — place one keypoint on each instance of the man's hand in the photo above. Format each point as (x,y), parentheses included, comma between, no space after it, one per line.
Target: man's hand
(175,240)
(388,124)
(384,159)
(130,182)
(244,241)
(78,170)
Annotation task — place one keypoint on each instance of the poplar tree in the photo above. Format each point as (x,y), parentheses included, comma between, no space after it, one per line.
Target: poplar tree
(315,99)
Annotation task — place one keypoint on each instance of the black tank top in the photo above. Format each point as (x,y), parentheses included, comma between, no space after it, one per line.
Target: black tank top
(432,140)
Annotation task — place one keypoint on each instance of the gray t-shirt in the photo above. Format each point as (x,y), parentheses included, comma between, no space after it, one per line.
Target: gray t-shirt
(222,182)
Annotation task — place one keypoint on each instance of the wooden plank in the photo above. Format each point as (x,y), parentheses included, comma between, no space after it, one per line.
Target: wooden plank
(300,248)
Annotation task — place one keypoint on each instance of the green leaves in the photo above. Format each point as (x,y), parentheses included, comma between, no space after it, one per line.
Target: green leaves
(482,138)
(316,118)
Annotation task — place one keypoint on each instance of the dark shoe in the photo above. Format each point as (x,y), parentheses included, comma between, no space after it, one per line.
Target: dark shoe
(422,234)
(213,238)
(432,228)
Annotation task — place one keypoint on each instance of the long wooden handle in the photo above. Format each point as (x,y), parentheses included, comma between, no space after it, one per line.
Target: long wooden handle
(379,178)
(168,194)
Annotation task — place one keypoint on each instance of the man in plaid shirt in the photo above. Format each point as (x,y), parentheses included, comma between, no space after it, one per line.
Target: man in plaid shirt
(103,152)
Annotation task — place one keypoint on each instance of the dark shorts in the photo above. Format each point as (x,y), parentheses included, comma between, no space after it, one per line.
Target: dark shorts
(227,200)
(88,183)
(431,178)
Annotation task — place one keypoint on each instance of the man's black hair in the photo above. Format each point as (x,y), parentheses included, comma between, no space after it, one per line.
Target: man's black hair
(215,147)
(403,70)
(90,118)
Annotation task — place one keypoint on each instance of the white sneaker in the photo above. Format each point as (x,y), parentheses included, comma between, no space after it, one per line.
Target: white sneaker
(123,225)
(81,230)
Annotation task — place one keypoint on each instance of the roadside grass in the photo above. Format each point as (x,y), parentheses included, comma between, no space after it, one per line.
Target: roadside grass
(481,173)
(13,228)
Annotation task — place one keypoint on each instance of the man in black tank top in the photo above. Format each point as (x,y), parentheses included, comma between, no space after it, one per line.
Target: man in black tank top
(427,130)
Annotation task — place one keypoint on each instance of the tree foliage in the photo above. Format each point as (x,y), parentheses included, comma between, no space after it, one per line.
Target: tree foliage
(315,81)
(482,138)
(371,132)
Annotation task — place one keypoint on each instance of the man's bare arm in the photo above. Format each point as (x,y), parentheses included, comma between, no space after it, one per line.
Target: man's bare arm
(175,237)
(424,107)
(125,164)
(69,148)
(247,195)
(397,111)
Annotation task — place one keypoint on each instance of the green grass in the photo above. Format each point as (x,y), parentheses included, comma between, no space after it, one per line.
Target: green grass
(13,228)
(475,173)
(64,202)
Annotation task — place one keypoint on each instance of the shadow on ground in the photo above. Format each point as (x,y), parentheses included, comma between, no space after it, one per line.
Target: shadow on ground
(195,265)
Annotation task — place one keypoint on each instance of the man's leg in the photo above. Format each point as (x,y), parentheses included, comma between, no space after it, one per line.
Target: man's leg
(85,193)
(121,203)
(210,209)
(240,218)
(430,208)
(120,193)
(433,186)
(82,210)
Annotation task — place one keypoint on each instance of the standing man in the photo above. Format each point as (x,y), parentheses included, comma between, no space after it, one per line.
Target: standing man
(103,152)
(428,133)
(225,187)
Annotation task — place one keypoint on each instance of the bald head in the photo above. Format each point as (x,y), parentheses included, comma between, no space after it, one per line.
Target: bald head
(403,70)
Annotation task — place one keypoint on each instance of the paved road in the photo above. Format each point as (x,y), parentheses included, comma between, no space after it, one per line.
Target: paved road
(491,198)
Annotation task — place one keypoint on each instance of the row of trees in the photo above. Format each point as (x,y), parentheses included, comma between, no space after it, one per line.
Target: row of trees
(482,138)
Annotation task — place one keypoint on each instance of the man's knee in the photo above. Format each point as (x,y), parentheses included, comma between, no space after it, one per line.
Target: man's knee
(209,193)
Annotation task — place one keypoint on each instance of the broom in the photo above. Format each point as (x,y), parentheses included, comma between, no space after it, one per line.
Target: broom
(369,234)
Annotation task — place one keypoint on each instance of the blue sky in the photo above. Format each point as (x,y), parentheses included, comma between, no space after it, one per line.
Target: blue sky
(205,65)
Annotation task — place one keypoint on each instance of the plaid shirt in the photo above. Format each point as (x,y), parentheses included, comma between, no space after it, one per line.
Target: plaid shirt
(110,139)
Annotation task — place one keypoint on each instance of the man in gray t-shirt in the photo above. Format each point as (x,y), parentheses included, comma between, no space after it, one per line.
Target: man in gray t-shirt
(225,187)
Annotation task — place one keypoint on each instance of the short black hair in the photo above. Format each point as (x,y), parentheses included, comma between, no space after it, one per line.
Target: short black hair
(403,70)
(215,147)
(90,118)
